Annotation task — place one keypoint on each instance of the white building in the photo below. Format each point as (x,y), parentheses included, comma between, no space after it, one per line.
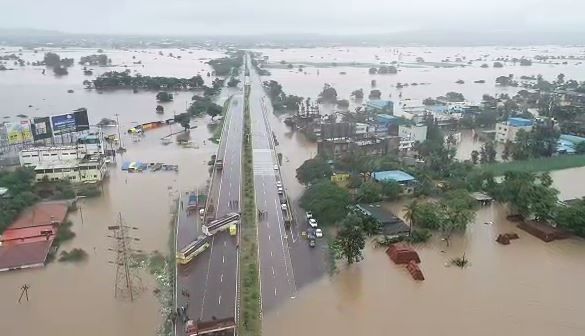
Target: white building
(86,145)
(507,130)
(409,134)
(76,171)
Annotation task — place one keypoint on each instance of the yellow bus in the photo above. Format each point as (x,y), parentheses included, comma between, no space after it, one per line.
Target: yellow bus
(192,250)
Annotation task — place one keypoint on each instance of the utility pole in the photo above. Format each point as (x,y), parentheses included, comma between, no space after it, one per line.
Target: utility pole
(127,282)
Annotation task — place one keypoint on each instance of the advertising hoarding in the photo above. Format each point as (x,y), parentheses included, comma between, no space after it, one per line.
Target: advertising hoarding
(63,123)
(18,132)
(41,128)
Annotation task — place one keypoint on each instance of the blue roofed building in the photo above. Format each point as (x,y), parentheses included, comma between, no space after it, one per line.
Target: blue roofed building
(406,180)
(565,147)
(506,131)
(380,106)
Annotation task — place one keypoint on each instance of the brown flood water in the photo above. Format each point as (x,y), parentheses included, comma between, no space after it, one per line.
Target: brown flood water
(526,288)
(67,299)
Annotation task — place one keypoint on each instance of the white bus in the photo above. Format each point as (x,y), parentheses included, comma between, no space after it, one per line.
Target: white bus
(220,224)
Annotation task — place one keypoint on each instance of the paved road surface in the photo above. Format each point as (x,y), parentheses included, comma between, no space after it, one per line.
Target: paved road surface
(276,273)
(211,278)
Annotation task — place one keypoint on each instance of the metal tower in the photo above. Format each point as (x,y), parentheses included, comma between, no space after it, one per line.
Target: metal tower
(127,283)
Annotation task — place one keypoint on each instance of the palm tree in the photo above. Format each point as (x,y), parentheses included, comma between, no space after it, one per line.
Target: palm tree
(410,214)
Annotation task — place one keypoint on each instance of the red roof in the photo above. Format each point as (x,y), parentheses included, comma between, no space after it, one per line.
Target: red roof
(40,214)
(29,234)
(24,255)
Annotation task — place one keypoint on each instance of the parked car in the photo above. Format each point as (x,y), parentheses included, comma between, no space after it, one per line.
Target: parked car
(275,167)
(309,215)
(283,206)
(313,222)
(312,242)
(278,184)
(319,233)
(280,190)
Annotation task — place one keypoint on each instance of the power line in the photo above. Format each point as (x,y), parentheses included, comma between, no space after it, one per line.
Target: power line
(127,283)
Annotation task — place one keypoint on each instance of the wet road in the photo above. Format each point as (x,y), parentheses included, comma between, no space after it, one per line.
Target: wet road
(276,272)
(211,278)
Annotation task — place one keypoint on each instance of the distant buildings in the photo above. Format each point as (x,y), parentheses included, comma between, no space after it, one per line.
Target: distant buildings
(380,106)
(507,130)
(83,162)
(409,134)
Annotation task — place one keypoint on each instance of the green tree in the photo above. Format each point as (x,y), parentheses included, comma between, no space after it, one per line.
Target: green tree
(213,110)
(328,95)
(350,240)
(160,109)
(498,65)
(313,169)
(328,202)
(487,153)
(164,96)
(51,59)
(369,192)
(391,189)
(508,145)
(358,94)
(427,215)
(454,97)
(580,147)
(410,213)
(375,94)
(572,218)
(474,156)
(184,120)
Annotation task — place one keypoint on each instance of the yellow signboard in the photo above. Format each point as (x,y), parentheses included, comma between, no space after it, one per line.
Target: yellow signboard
(18,132)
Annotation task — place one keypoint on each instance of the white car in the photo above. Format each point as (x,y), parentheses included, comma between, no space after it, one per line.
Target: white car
(283,206)
(313,222)
(280,190)
(275,167)
(278,184)
(309,215)
(318,233)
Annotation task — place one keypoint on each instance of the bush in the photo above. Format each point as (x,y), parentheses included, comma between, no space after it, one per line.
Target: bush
(75,255)
(419,236)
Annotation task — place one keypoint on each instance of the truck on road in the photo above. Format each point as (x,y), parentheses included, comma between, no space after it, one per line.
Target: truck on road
(213,327)
(219,164)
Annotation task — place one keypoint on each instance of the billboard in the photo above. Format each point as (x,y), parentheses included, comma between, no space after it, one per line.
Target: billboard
(81,119)
(41,128)
(18,132)
(63,123)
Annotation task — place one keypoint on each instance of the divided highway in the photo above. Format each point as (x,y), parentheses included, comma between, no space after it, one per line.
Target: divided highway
(276,273)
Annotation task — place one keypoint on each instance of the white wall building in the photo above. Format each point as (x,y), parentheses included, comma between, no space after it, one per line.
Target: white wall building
(507,130)
(76,171)
(409,134)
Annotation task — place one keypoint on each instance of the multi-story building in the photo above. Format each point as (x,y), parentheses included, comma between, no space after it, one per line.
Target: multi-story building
(507,130)
(87,170)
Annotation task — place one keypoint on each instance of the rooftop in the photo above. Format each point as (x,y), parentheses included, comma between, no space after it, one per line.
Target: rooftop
(391,224)
(24,255)
(478,196)
(40,214)
(520,122)
(394,175)
(380,104)
(572,138)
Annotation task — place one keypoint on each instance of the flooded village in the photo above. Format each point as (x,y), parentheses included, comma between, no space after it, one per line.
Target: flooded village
(335,142)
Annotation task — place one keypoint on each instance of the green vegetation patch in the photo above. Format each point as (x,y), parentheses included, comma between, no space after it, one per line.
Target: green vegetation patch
(250,318)
(536,165)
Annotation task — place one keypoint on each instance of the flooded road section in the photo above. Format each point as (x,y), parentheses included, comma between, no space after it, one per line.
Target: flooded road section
(526,288)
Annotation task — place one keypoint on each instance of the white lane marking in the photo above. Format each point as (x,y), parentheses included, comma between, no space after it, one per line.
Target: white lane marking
(274,291)
(207,276)
(271,253)
(223,259)
(224,242)
(273,274)
(268,237)
(219,300)
(221,278)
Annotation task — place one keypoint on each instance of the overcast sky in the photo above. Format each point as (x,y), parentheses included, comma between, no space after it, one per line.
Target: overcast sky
(204,17)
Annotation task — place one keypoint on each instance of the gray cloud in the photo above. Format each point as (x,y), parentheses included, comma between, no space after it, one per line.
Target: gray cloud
(192,17)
